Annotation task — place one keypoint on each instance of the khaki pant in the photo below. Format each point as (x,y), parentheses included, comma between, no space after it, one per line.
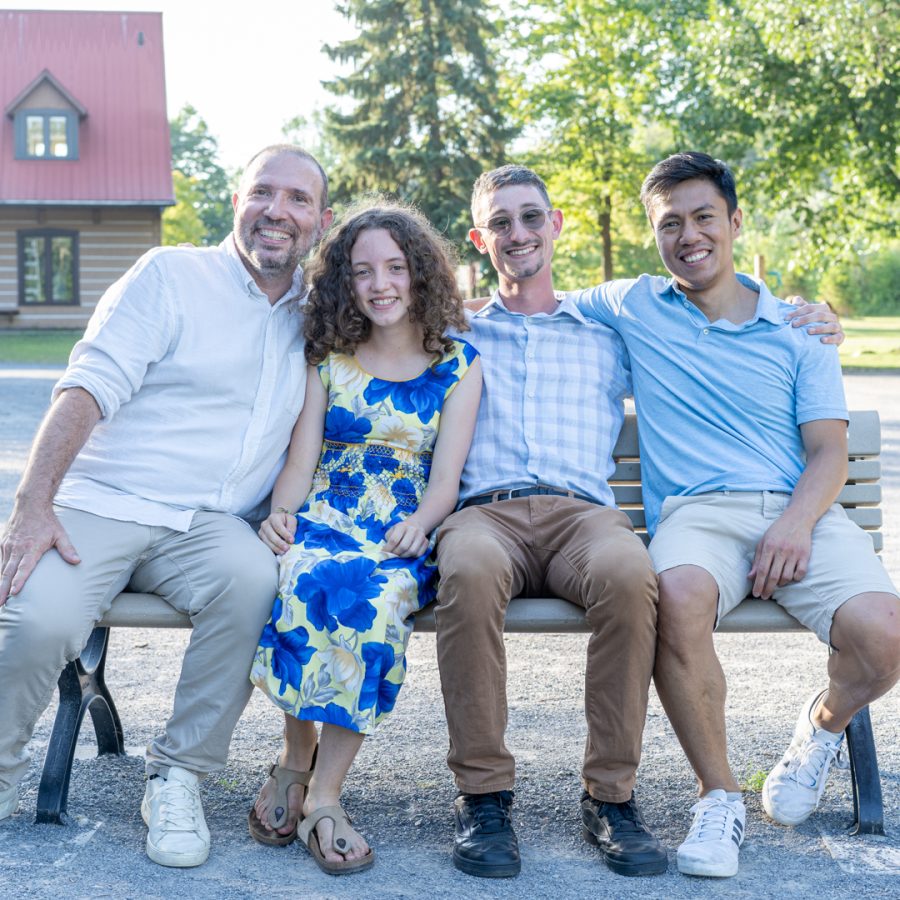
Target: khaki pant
(585,553)
(219,573)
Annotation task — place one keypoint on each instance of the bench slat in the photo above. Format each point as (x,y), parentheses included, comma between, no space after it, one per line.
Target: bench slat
(525,615)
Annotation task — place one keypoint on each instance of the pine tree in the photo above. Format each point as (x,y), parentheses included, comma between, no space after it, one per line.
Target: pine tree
(426,114)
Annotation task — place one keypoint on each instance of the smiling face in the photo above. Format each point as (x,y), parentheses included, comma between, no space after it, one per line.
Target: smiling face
(277,217)
(695,235)
(523,253)
(381,282)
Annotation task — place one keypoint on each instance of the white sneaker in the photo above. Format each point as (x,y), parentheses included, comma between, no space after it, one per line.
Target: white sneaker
(172,811)
(716,834)
(9,800)
(794,787)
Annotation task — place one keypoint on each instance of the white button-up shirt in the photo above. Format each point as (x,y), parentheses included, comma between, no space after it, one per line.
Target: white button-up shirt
(199,380)
(552,402)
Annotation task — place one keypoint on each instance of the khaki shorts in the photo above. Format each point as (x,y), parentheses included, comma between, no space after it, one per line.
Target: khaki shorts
(719,532)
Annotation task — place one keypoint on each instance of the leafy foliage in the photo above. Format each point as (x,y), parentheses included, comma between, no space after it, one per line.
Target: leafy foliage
(181,223)
(421,114)
(195,154)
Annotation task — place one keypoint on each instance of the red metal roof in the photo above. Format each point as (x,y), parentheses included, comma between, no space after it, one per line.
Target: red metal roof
(113,64)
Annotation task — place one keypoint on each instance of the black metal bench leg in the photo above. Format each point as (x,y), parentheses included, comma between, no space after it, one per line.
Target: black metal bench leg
(868,806)
(81,688)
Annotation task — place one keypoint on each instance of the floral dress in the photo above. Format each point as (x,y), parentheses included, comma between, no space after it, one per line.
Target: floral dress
(334,648)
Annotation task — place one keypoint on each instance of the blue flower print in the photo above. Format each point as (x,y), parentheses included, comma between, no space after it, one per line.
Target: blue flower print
(404,492)
(376,690)
(376,462)
(422,571)
(318,534)
(344,490)
(342,425)
(423,396)
(290,651)
(332,714)
(375,529)
(340,592)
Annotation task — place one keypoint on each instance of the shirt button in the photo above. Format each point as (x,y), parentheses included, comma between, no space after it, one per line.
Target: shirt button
(706,331)
(686,305)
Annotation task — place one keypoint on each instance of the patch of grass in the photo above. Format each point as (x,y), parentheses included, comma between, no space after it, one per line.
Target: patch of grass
(49,347)
(754,780)
(873,342)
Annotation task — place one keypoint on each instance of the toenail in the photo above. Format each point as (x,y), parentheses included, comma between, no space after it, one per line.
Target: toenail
(341,843)
(279,812)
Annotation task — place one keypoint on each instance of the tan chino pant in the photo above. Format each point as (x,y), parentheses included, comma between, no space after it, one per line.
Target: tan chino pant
(533,546)
(219,573)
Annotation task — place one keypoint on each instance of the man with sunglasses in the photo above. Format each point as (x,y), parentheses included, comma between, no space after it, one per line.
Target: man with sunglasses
(537,516)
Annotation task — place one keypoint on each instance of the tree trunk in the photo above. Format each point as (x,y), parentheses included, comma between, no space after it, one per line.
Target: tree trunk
(604,220)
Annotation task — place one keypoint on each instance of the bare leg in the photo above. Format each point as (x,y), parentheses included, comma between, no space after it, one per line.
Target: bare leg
(688,677)
(299,745)
(865,663)
(337,750)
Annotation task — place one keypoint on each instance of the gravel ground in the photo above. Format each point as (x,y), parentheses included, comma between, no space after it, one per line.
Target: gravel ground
(400,792)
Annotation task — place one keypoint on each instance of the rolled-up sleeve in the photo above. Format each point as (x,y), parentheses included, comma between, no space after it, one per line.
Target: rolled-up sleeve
(133,326)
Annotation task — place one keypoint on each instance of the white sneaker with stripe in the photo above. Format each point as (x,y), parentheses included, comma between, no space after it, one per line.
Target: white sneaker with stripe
(715,837)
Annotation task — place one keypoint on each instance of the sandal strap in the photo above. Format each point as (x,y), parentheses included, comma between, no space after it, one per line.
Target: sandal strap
(283,779)
(343,831)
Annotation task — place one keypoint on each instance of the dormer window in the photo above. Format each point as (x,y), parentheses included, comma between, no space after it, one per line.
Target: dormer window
(45,120)
(46,134)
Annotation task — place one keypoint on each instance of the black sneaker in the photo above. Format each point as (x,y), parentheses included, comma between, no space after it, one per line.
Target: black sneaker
(618,830)
(486,844)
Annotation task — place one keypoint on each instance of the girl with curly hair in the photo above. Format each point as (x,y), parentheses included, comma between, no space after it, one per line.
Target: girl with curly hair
(373,467)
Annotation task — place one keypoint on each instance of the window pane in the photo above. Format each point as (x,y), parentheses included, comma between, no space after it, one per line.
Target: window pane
(63,283)
(59,145)
(34,135)
(33,269)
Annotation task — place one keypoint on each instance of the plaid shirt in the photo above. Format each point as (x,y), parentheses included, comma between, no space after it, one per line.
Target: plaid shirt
(552,403)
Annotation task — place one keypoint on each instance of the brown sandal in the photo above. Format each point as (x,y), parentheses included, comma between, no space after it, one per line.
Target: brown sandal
(341,839)
(284,778)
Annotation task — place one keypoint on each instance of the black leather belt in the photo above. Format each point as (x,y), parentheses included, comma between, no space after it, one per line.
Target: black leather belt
(497,496)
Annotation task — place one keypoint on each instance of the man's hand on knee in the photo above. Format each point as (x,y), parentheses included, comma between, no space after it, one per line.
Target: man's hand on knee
(782,556)
(29,535)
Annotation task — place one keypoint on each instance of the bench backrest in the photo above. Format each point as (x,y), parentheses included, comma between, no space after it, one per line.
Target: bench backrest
(860,496)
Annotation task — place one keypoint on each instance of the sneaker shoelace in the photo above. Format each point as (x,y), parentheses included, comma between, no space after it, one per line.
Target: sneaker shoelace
(491,814)
(177,807)
(812,760)
(712,823)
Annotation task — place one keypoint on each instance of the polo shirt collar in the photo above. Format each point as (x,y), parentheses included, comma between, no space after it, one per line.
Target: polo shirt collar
(767,307)
(565,301)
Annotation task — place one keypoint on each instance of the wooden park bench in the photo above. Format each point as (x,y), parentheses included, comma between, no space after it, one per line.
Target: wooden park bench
(82,687)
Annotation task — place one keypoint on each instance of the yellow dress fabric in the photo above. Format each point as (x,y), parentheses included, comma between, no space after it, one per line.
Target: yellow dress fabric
(334,648)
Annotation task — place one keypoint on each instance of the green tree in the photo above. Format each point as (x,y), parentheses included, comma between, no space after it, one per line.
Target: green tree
(803,97)
(593,87)
(181,223)
(421,114)
(195,153)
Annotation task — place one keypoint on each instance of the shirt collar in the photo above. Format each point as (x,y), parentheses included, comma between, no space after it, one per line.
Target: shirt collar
(297,291)
(565,305)
(766,307)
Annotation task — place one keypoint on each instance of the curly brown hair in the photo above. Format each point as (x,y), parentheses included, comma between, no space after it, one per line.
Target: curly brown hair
(333,320)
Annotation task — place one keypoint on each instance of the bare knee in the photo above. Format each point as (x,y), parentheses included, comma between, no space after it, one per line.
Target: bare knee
(866,633)
(687,606)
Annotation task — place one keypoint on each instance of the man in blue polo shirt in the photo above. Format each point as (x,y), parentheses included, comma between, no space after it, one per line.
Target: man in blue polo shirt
(743,441)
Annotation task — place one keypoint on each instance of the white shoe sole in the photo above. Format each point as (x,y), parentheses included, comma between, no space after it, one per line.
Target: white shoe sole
(707,868)
(9,801)
(167,857)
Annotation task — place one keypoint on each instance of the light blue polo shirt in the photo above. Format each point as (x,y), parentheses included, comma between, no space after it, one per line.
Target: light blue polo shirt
(719,405)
